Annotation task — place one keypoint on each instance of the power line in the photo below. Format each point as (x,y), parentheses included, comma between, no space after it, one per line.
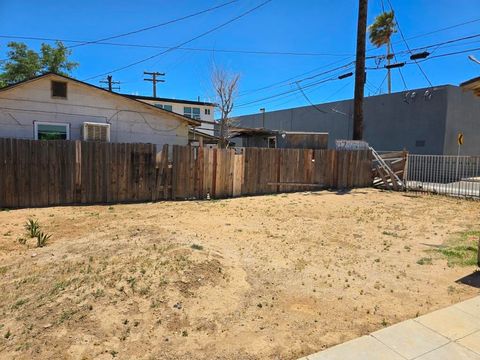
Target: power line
(326,72)
(443,29)
(436,45)
(399,70)
(287,81)
(288,91)
(234,51)
(154,26)
(408,48)
(308,99)
(452,53)
(183,43)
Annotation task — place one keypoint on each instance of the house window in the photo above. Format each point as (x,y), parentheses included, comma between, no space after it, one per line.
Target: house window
(272,142)
(164,107)
(420,143)
(207,111)
(59,89)
(192,112)
(51,131)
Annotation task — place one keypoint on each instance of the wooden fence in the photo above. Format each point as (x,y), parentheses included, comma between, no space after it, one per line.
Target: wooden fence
(44,173)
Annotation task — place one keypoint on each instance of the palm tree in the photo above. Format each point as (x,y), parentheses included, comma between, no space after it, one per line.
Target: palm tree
(380,33)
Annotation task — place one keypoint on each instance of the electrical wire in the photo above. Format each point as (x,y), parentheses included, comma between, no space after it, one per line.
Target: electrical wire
(231,51)
(288,92)
(181,44)
(154,26)
(399,70)
(287,82)
(408,48)
(308,99)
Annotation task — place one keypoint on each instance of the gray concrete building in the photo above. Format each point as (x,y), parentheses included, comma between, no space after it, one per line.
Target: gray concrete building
(422,121)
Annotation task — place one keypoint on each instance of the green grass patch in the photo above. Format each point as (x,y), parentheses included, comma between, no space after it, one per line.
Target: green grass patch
(461,250)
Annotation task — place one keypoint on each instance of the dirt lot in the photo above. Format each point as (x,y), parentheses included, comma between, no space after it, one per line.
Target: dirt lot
(273,277)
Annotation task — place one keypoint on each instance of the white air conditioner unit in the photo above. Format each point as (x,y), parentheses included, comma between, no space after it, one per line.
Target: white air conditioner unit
(96,132)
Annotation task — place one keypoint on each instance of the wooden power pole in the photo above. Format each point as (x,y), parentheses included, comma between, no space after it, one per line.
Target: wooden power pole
(360,70)
(154,80)
(110,83)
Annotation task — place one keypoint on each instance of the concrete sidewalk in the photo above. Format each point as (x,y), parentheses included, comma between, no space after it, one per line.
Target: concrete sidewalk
(447,334)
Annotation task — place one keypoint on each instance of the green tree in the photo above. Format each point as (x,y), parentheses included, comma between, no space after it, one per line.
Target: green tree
(55,59)
(23,63)
(380,33)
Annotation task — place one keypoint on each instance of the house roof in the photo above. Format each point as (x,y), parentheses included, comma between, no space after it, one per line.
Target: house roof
(179,101)
(49,74)
(203,134)
(473,85)
(238,131)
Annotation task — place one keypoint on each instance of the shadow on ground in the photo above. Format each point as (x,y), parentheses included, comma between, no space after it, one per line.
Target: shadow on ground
(471,280)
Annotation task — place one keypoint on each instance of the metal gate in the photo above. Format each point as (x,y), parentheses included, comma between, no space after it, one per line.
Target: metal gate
(444,174)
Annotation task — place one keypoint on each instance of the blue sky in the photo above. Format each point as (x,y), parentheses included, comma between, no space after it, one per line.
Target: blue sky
(302,26)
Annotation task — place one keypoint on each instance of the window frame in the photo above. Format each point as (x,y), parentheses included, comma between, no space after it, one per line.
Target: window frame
(190,114)
(66,89)
(36,123)
(274,138)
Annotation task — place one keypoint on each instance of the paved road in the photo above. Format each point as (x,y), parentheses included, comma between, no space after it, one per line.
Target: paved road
(452,333)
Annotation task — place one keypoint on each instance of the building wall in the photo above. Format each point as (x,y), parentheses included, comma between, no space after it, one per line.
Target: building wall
(392,122)
(129,120)
(302,141)
(463,115)
(179,109)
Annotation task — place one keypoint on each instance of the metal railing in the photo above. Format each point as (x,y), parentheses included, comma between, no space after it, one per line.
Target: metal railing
(444,174)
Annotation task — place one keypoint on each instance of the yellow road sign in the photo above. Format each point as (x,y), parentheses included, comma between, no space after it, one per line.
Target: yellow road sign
(460,138)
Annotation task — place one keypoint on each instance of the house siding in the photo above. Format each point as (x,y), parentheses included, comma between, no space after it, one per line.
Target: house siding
(178,108)
(130,121)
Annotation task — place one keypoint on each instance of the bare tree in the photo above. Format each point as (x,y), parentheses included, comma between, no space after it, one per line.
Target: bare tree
(225,85)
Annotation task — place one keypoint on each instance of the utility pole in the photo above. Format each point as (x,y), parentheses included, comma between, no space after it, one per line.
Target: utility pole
(360,70)
(154,80)
(110,83)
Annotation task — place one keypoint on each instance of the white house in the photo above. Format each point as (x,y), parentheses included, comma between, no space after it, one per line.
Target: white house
(52,106)
(198,110)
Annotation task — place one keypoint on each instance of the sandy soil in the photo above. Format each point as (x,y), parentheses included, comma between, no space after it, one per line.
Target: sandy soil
(271,277)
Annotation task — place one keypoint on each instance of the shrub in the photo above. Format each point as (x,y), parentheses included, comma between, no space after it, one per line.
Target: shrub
(33,228)
(42,239)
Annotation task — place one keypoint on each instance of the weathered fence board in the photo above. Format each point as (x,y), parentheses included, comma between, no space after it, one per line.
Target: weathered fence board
(45,173)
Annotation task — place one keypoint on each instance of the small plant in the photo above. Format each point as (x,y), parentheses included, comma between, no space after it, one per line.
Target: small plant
(33,228)
(22,240)
(424,261)
(42,239)
(196,247)
(7,334)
